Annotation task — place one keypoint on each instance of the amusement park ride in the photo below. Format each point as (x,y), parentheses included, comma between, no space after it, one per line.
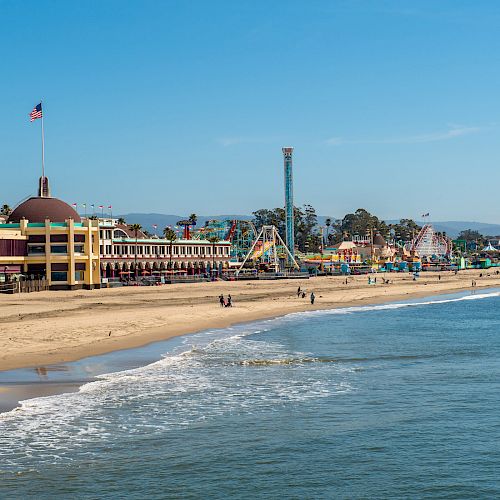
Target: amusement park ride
(241,234)
(270,251)
(429,243)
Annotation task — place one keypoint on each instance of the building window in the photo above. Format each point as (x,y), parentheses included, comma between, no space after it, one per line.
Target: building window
(59,276)
(79,275)
(58,238)
(79,249)
(58,248)
(36,249)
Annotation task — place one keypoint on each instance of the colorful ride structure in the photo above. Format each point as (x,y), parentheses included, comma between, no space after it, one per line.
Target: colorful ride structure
(429,243)
(269,252)
(241,234)
(186,225)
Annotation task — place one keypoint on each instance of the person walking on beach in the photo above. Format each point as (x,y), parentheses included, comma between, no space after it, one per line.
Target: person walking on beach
(221,300)
(298,292)
(303,295)
(229,301)
(312,298)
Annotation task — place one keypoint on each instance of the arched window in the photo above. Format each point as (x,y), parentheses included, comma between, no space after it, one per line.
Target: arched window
(119,233)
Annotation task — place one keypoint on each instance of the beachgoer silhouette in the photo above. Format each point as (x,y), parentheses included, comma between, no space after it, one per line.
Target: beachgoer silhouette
(439,277)
(312,297)
(221,300)
(298,292)
(303,295)
(229,301)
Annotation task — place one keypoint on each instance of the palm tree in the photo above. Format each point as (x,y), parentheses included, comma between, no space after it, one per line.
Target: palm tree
(5,210)
(135,228)
(193,218)
(213,240)
(121,220)
(171,236)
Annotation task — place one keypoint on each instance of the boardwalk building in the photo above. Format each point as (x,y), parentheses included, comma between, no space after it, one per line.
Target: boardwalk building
(124,255)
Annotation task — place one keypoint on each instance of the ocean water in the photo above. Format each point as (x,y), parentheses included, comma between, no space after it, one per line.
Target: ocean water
(387,401)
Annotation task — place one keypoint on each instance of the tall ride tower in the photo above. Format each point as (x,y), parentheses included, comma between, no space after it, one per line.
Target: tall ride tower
(290,241)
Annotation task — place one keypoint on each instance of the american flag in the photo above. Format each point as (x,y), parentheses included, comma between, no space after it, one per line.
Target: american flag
(36,113)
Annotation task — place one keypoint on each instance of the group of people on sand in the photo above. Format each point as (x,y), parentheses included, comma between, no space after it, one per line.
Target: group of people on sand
(225,303)
(302,293)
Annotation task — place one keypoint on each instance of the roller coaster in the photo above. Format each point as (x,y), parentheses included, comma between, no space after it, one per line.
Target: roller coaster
(429,243)
(241,234)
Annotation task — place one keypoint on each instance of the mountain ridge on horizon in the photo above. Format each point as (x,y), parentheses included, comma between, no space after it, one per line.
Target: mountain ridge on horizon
(452,228)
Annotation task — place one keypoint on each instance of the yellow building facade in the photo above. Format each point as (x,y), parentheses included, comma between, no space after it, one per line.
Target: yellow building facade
(45,238)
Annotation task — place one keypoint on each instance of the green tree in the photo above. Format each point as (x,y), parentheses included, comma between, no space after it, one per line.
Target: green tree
(122,221)
(405,230)
(470,235)
(170,235)
(135,228)
(361,222)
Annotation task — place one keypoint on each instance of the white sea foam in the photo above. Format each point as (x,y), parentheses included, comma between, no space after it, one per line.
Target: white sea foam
(202,378)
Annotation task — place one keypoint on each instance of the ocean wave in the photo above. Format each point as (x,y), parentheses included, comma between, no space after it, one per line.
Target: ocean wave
(187,370)
(388,306)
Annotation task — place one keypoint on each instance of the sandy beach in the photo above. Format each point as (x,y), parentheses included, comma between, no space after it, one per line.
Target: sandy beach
(52,327)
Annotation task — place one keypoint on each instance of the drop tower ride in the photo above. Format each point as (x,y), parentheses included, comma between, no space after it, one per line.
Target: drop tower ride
(290,241)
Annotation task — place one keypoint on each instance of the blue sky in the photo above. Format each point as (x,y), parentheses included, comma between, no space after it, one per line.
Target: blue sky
(183,106)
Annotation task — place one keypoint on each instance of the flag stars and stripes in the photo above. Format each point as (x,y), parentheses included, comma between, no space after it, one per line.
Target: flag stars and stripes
(36,113)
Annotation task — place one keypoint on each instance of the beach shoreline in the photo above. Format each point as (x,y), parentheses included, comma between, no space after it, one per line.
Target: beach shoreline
(47,328)
(68,375)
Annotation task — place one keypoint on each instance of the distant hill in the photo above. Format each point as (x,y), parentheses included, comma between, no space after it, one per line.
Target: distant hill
(452,228)
(163,220)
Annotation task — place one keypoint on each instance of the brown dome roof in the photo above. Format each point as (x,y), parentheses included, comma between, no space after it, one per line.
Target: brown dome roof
(379,240)
(38,208)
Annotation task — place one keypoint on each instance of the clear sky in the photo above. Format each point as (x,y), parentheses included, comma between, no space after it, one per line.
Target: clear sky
(183,106)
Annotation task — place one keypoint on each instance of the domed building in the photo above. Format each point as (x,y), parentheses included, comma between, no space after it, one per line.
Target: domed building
(38,209)
(45,238)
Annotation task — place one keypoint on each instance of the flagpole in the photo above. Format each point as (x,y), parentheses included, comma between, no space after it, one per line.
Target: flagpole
(43,151)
